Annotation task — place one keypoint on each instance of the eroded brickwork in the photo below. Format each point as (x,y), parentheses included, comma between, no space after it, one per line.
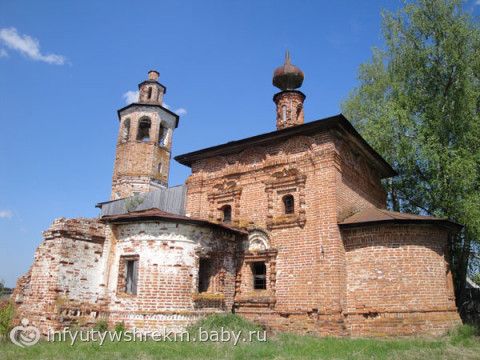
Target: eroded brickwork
(308,241)
(64,279)
(78,275)
(330,178)
(169,255)
(398,281)
(142,159)
(289,108)
(358,183)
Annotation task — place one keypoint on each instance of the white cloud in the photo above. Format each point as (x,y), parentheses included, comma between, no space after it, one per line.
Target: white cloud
(6,214)
(181,111)
(3,53)
(477,2)
(166,106)
(130,97)
(28,46)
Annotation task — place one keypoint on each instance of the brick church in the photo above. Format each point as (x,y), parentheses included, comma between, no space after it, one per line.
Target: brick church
(289,229)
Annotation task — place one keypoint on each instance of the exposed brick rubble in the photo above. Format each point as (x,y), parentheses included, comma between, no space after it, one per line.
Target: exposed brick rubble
(289,229)
(64,279)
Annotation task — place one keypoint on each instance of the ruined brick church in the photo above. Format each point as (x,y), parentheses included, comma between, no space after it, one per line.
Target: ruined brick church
(288,228)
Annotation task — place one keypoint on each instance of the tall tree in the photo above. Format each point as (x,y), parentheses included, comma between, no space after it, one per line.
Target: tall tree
(418,104)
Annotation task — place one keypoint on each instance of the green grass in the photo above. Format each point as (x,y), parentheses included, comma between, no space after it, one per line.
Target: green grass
(229,322)
(462,343)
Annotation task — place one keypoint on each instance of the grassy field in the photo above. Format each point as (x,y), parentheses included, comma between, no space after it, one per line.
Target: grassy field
(460,344)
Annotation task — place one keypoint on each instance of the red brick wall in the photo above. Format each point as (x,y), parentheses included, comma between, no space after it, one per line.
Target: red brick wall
(358,183)
(394,269)
(330,180)
(310,268)
(136,162)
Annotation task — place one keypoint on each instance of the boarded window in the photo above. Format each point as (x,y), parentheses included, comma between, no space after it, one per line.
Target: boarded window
(288,204)
(128,274)
(227,214)
(204,275)
(131,276)
(143,133)
(259,271)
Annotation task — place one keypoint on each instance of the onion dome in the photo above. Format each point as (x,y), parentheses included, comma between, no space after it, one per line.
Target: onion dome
(287,76)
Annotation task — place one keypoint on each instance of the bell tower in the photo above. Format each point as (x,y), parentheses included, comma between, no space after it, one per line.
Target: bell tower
(289,101)
(142,160)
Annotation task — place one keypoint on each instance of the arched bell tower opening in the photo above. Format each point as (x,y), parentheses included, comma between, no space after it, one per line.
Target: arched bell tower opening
(142,160)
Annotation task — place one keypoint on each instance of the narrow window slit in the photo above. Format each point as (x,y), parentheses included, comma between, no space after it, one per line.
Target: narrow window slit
(259,271)
(227,214)
(288,204)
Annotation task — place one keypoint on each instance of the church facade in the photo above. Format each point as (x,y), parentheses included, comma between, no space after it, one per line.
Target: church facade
(289,229)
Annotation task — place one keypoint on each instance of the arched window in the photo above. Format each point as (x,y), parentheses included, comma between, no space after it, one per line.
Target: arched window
(227,214)
(299,110)
(288,204)
(125,130)
(160,167)
(284,113)
(149,92)
(162,135)
(143,133)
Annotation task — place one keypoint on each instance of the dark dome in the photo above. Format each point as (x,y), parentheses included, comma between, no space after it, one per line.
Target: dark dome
(287,76)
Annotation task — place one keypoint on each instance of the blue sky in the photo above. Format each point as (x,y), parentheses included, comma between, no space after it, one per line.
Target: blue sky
(66,65)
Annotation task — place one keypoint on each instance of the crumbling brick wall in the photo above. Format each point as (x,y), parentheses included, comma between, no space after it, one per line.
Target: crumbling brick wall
(169,255)
(65,276)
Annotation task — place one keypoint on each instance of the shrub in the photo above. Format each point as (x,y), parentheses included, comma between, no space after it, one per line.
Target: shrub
(463,334)
(7,312)
(120,328)
(101,326)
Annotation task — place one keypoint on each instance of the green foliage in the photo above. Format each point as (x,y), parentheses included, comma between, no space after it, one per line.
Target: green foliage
(418,104)
(7,312)
(229,322)
(101,326)
(463,334)
(476,278)
(120,328)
